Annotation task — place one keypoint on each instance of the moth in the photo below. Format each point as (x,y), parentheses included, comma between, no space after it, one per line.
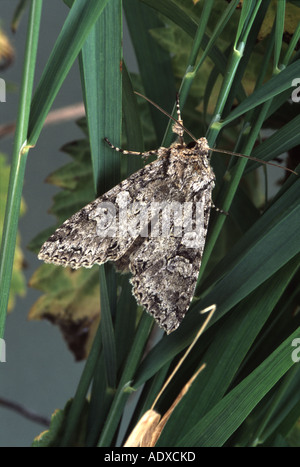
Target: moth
(153,224)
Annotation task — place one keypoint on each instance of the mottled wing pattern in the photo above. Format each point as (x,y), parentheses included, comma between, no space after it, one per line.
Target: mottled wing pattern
(89,236)
(164,267)
(165,271)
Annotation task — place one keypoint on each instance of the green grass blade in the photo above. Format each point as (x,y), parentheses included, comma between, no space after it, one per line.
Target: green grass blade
(19,159)
(257,437)
(78,24)
(245,24)
(101,58)
(99,404)
(125,322)
(244,20)
(292,46)
(154,63)
(79,400)
(18,13)
(248,51)
(274,87)
(287,413)
(99,69)
(220,423)
(191,67)
(279,30)
(122,394)
(133,126)
(282,140)
(102,82)
(107,330)
(175,13)
(263,250)
(232,340)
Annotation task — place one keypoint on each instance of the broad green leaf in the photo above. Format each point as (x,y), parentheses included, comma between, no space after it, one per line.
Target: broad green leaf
(70,301)
(71,298)
(51,437)
(102,83)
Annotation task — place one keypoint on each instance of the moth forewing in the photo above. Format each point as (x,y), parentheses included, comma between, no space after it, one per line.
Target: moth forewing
(153,224)
(136,225)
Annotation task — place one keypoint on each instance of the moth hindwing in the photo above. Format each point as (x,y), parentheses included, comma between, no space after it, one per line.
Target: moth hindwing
(153,224)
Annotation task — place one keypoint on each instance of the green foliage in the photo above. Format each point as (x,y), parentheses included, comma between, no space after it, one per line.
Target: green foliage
(71,298)
(18,287)
(51,437)
(234,73)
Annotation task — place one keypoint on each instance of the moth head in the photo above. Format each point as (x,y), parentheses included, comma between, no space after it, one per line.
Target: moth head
(203,146)
(200,146)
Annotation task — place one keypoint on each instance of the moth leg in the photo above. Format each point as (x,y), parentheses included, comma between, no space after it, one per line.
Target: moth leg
(219,210)
(136,153)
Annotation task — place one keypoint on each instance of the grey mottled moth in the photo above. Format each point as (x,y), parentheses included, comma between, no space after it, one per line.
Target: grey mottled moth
(153,224)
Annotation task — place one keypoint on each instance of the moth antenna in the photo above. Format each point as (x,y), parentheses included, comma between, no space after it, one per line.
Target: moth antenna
(178,108)
(177,127)
(180,124)
(254,159)
(168,115)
